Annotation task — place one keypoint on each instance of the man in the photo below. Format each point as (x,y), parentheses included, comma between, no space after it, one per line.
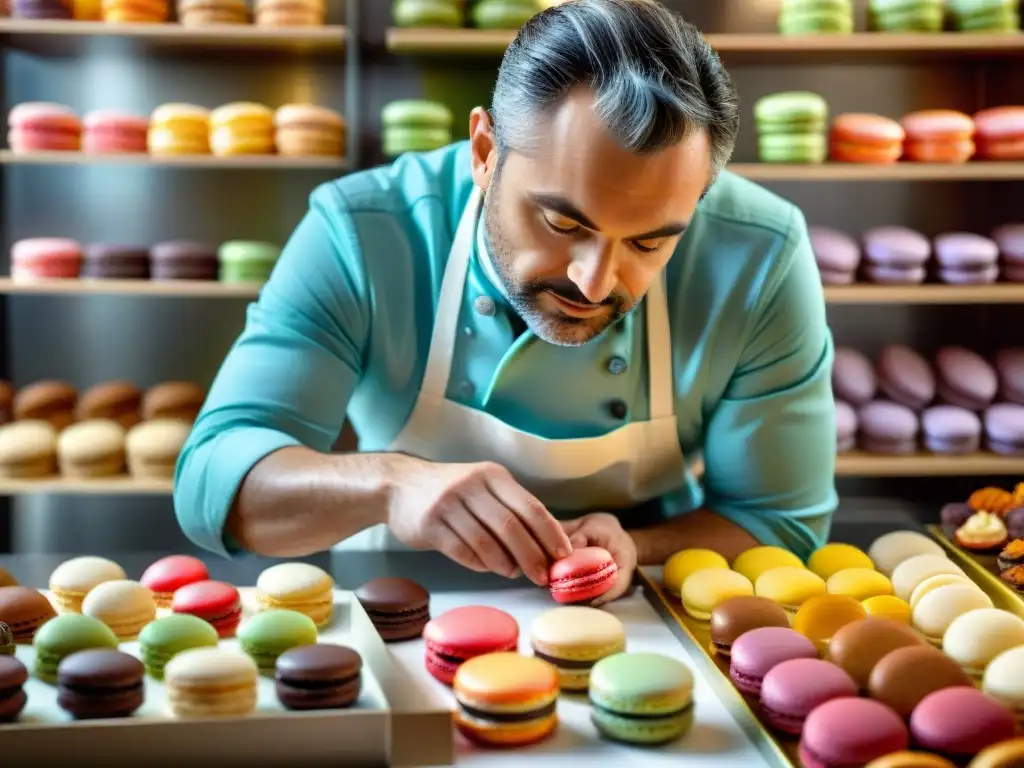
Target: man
(557,317)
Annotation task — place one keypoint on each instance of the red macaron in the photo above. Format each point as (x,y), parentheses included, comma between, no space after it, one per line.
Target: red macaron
(169,574)
(213,601)
(463,633)
(587,573)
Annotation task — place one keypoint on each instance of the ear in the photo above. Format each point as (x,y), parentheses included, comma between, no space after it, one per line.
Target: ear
(483,149)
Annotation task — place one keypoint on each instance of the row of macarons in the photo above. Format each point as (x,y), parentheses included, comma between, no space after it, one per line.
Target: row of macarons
(236,128)
(900,255)
(274,13)
(898,623)
(449,14)
(234,261)
(806,17)
(794,126)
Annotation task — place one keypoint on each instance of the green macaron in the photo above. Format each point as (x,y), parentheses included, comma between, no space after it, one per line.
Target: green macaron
(641,698)
(985,15)
(268,634)
(63,635)
(795,148)
(791,112)
(162,639)
(415,125)
(247,261)
(427,13)
(917,17)
(502,14)
(809,17)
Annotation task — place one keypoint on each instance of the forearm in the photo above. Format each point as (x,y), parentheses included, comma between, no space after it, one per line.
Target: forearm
(296,501)
(701,529)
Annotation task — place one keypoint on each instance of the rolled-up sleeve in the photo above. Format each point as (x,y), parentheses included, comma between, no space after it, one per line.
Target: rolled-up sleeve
(770,442)
(287,379)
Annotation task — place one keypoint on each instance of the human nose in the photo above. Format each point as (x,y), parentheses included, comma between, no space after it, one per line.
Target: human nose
(594,271)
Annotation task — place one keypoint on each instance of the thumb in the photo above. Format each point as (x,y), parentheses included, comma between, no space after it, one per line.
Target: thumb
(578,540)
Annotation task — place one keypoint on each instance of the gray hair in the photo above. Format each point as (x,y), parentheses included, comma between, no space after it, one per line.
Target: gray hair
(656,80)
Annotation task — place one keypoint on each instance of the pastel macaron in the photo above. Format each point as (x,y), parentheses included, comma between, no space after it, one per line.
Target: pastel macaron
(289,13)
(309,130)
(865,138)
(24,610)
(73,579)
(950,430)
(756,560)
(836,254)
(966,258)
(681,564)
(216,602)
(1004,681)
(298,587)
(938,136)
(965,379)
(463,633)
(851,731)
(501,14)
(822,616)
(789,586)
(706,589)
(1009,365)
(28,449)
(108,132)
(268,634)
(135,11)
(834,557)
(152,447)
(911,572)
(738,615)
(163,639)
(41,258)
(200,13)
(937,610)
(960,722)
(505,699)
(906,377)
(975,638)
(895,255)
(43,127)
(791,127)
(793,689)
(40,9)
(891,549)
(242,128)
(584,575)
(1000,133)
(247,261)
(756,652)
(814,17)
(573,638)
(411,125)
(858,583)
(853,377)
(1010,239)
(91,448)
(211,682)
(847,426)
(169,574)
(1004,429)
(641,698)
(125,606)
(179,129)
(65,635)
(432,14)
(888,607)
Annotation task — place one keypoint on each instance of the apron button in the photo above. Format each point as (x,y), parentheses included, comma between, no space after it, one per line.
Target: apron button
(616,365)
(466,389)
(617,409)
(484,305)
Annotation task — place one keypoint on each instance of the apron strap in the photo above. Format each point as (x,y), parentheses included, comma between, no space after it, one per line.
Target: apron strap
(659,351)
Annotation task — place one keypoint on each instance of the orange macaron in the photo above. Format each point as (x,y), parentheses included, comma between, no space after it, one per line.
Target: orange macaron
(938,136)
(1000,133)
(858,137)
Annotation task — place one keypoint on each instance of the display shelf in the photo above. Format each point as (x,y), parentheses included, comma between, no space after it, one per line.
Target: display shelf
(857,464)
(868,293)
(239,162)
(976,171)
(863,47)
(58,38)
(167,289)
(110,486)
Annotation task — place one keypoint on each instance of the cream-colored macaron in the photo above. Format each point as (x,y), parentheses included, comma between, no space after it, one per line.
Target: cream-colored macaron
(28,449)
(73,579)
(211,682)
(298,587)
(91,448)
(680,565)
(153,447)
(1004,681)
(891,549)
(911,572)
(974,638)
(934,582)
(124,606)
(937,610)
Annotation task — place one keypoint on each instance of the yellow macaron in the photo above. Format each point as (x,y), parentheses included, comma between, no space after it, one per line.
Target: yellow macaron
(832,558)
(888,607)
(789,586)
(135,11)
(242,128)
(1005,754)
(179,129)
(87,10)
(910,760)
(819,618)
(297,587)
(858,583)
(687,561)
(757,560)
(704,590)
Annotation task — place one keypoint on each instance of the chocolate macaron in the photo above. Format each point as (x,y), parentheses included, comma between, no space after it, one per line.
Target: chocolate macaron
(905,377)
(100,683)
(47,400)
(965,378)
(398,608)
(114,400)
(739,615)
(24,610)
(320,676)
(183,260)
(108,261)
(179,400)
(6,402)
(13,676)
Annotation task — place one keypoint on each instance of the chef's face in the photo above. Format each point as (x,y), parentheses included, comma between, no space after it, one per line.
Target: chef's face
(579,227)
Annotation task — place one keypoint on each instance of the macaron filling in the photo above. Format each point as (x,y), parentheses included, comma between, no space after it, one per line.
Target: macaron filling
(573,664)
(487,717)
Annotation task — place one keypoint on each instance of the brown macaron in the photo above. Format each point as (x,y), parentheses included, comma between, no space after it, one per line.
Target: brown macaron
(7,578)
(24,610)
(739,615)
(49,400)
(179,400)
(114,400)
(860,645)
(905,676)
(6,402)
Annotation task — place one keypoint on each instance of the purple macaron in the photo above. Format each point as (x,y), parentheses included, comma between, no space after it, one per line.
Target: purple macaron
(794,688)
(950,430)
(965,378)
(756,652)
(853,376)
(183,260)
(895,255)
(888,428)
(1015,523)
(836,253)
(955,514)
(905,377)
(1004,429)
(959,722)
(1009,365)
(851,732)
(846,427)
(41,9)
(966,259)
(1010,240)
(107,261)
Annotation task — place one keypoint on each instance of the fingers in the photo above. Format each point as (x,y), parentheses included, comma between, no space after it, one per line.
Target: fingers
(538,521)
(449,543)
(623,581)
(508,529)
(578,540)
(482,542)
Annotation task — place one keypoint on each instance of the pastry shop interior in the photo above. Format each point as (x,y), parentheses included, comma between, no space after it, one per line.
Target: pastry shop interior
(160,153)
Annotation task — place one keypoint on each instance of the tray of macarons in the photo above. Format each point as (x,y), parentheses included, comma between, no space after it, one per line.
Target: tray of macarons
(897,657)
(290,670)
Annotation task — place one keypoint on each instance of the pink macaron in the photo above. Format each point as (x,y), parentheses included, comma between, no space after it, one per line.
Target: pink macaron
(791,691)
(960,722)
(586,574)
(965,258)
(112,133)
(38,126)
(1010,240)
(45,258)
(1000,133)
(851,731)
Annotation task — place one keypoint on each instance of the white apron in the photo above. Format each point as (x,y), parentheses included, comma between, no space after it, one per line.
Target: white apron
(625,467)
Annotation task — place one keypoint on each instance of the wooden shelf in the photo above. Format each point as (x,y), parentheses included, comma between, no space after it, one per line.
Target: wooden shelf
(978,171)
(125,486)
(859,464)
(867,293)
(59,38)
(167,289)
(242,162)
(864,47)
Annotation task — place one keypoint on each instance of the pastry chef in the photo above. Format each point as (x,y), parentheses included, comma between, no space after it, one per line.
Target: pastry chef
(540,334)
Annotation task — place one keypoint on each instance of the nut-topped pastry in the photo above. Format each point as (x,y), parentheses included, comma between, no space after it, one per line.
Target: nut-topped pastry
(994,500)
(983,532)
(1012,554)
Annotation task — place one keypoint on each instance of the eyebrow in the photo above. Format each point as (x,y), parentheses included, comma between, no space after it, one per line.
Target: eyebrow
(563,207)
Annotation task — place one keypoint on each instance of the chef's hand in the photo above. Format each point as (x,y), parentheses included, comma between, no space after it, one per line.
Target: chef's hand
(603,530)
(476,514)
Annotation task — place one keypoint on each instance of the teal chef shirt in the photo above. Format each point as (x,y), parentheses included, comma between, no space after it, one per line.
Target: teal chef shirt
(343,327)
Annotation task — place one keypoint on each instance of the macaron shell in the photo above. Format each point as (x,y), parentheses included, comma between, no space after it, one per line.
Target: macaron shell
(472,630)
(208,682)
(641,684)
(1004,681)
(792,690)
(888,607)
(960,722)
(910,760)
(125,606)
(270,633)
(163,639)
(63,636)
(904,676)
(168,574)
(100,683)
(822,616)
(736,616)
(936,610)
(585,574)
(859,646)
(835,557)
(320,676)
(789,586)
(578,633)
(853,377)
(934,582)
(977,637)
(705,589)
(755,561)
(851,731)
(73,578)
(914,570)
(891,549)
(214,601)
(685,562)
(299,587)
(24,611)
(859,583)
(757,651)
(1006,754)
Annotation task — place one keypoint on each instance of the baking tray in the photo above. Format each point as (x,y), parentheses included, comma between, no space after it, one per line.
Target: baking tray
(390,716)
(983,571)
